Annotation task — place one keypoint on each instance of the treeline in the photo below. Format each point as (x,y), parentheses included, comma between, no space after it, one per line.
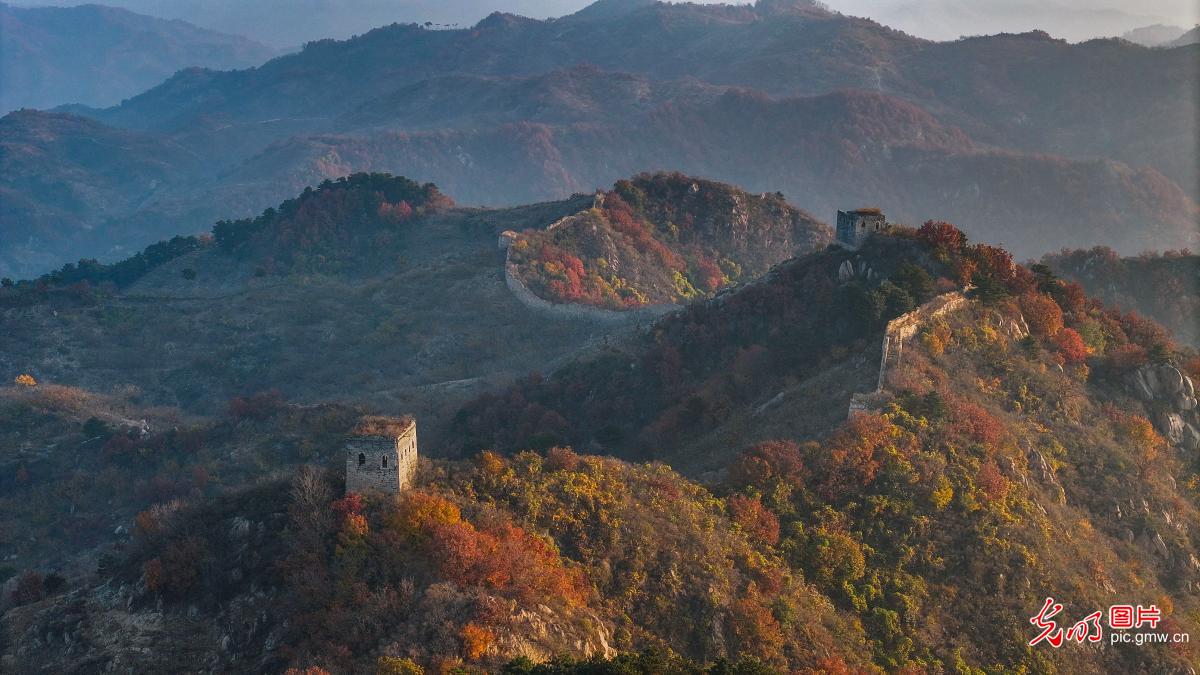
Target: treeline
(1164,286)
(312,228)
(81,279)
(333,213)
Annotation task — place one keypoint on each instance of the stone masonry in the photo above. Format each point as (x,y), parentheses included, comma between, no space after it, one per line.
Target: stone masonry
(381,456)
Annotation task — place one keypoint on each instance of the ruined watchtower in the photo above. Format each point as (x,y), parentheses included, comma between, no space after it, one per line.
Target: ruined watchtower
(853,227)
(381,455)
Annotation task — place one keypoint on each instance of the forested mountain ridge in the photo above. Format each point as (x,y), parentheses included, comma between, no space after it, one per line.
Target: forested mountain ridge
(373,276)
(515,110)
(1043,101)
(1017,415)
(1009,458)
(1162,286)
(661,239)
(824,152)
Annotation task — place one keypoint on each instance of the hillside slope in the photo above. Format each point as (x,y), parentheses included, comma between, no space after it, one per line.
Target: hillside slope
(1164,287)
(66,177)
(1028,443)
(1010,448)
(373,279)
(662,239)
(97,55)
(477,567)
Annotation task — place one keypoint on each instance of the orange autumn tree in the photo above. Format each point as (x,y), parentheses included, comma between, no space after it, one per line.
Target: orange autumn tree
(759,523)
(1071,346)
(1044,316)
(507,559)
(418,512)
(855,454)
(1143,441)
(501,557)
(942,236)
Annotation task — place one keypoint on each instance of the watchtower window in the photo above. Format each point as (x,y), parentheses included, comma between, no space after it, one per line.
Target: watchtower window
(362,459)
(385,462)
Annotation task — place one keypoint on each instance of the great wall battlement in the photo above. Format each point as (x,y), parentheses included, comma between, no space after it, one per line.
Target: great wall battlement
(568,310)
(571,311)
(899,330)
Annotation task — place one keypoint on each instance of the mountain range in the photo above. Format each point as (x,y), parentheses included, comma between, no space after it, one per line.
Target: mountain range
(671,421)
(172,467)
(998,133)
(99,55)
(1157,35)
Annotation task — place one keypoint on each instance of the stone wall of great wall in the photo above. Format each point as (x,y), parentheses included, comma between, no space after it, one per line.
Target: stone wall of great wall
(568,310)
(899,330)
(571,311)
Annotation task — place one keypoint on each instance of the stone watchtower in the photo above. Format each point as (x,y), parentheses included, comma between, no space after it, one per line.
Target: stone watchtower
(381,455)
(853,227)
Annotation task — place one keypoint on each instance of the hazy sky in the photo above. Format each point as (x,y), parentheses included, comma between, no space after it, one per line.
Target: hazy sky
(289,23)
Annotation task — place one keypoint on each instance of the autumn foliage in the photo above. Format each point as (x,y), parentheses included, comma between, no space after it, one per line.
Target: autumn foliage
(942,236)
(1071,346)
(661,238)
(1043,314)
(756,520)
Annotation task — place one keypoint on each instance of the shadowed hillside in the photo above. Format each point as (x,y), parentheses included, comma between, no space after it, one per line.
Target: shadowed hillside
(375,280)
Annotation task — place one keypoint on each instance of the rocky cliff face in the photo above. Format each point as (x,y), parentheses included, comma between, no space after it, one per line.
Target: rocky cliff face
(1171,397)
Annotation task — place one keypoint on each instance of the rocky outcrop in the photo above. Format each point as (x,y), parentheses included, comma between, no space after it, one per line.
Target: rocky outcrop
(1171,397)
(850,269)
(1044,473)
(1014,327)
(541,633)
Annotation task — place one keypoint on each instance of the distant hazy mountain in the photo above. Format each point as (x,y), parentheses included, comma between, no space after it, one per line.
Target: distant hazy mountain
(1022,139)
(1154,36)
(1074,20)
(1189,38)
(286,24)
(1028,92)
(291,23)
(66,177)
(98,55)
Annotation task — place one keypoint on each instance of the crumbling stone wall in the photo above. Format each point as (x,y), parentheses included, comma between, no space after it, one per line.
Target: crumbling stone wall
(897,332)
(570,310)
